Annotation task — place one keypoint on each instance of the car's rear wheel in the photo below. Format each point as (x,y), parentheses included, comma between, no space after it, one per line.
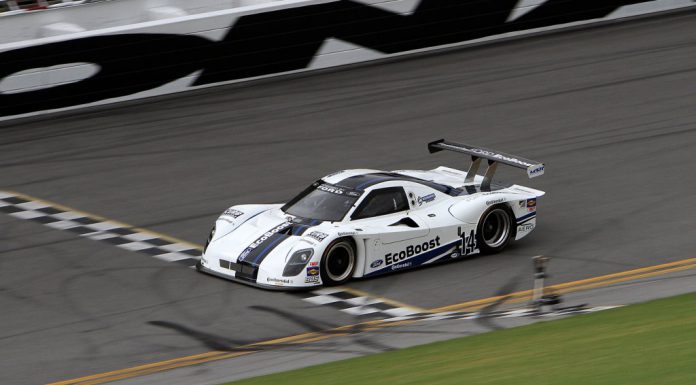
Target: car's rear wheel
(338,262)
(495,229)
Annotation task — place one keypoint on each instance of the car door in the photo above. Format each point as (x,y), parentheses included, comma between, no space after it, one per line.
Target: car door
(387,222)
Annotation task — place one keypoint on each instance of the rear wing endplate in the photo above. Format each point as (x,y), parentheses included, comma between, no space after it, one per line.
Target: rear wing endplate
(533,167)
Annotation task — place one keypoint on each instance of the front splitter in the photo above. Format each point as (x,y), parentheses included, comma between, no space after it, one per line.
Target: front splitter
(206,270)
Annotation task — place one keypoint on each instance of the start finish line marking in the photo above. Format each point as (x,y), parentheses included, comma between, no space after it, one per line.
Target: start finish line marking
(168,249)
(97,228)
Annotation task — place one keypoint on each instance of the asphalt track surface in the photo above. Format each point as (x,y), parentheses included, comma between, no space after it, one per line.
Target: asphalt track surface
(610,110)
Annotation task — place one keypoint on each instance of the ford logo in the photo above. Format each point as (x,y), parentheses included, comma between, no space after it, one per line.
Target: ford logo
(376,264)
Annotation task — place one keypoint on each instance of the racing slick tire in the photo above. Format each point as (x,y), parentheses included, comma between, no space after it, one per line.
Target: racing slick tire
(338,262)
(495,229)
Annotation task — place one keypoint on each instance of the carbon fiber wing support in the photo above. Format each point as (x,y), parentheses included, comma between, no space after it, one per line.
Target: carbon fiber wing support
(493,157)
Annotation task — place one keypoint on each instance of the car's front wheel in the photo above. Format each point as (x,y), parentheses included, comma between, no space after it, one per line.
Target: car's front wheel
(495,229)
(338,262)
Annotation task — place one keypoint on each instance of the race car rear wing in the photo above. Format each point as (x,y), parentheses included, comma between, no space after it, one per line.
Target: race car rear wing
(533,167)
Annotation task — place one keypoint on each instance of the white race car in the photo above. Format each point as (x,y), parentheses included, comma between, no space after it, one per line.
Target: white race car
(362,223)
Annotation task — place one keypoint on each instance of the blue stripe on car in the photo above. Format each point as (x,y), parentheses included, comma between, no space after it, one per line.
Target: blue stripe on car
(271,245)
(360,182)
(298,229)
(251,255)
(525,218)
(312,223)
(370,183)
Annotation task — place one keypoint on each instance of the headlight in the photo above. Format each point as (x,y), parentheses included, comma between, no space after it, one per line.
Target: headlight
(210,238)
(297,262)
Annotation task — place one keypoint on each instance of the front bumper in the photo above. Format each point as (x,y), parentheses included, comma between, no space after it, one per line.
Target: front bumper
(253,283)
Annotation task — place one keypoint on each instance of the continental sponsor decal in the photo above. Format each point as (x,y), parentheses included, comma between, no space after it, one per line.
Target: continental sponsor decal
(495,201)
(401,265)
(278,280)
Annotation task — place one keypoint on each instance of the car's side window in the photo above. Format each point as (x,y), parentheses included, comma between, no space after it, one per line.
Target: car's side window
(381,202)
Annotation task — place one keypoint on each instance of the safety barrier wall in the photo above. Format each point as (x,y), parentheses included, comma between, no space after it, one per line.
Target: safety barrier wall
(183,53)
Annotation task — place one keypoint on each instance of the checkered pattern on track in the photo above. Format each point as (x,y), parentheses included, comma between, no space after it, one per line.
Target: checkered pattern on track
(357,305)
(98,229)
(375,308)
(525,312)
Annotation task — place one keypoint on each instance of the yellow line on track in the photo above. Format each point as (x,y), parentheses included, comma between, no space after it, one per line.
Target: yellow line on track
(603,280)
(629,278)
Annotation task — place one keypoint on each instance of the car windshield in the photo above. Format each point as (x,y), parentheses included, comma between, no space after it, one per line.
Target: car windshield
(322,201)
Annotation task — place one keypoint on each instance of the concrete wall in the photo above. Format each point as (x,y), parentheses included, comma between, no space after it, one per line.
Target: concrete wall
(144,59)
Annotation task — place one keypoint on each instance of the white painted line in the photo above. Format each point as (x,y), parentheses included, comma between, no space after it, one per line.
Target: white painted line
(31,205)
(102,226)
(517,313)
(172,257)
(135,246)
(399,312)
(68,215)
(100,235)
(358,301)
(328,290)
(63,225)
(397,319)
(440,317)
(361,310)
(322,299)
(176,247)
(139,237)
(28,214)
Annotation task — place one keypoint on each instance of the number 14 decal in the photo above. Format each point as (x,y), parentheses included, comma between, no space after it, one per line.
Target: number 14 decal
(468,245)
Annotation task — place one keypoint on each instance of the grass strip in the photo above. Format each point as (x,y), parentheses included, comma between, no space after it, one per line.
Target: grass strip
(652,343)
